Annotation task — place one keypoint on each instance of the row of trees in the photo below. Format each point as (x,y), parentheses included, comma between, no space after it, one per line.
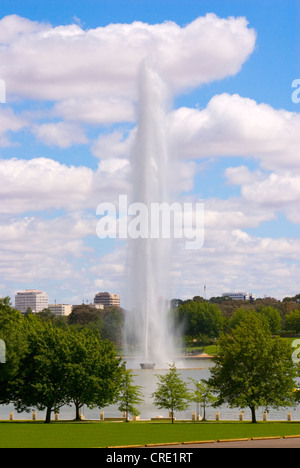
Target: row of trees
(201,320)
(252,369)
(197,319)
(108,321)
(47,367)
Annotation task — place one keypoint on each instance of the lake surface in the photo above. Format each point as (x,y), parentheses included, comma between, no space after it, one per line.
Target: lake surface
(196,369)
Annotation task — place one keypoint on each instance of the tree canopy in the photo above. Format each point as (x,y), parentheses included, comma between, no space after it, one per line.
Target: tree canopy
(253,369)
(172,392)
(48,367)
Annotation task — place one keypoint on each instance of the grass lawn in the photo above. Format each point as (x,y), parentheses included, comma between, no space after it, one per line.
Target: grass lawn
(103,434)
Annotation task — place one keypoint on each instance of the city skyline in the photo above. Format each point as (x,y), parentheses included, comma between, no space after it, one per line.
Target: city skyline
(68,122)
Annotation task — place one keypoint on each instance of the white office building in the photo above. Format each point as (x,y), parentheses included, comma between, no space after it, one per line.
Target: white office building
(34,299)
(239,296)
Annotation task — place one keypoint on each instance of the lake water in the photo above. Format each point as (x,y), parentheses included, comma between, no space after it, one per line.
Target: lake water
(196,369)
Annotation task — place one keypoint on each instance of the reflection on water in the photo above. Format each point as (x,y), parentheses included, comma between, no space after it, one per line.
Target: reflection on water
(196,369)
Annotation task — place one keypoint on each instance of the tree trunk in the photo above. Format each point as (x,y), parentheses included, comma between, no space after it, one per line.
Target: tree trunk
(78,413)
(253,414)
(48,416)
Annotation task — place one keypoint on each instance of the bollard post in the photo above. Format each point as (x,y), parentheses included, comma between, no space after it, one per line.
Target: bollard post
(56,416)
(102,416)
(289,416)
(193,416)
(34,416)
(11,416)
(241,416)
(264,416)
(217,416)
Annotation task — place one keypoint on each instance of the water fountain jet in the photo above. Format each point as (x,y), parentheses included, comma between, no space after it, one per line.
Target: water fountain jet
(147,319)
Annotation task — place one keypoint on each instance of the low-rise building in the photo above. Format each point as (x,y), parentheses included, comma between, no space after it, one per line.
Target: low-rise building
(240,296)
(60,309)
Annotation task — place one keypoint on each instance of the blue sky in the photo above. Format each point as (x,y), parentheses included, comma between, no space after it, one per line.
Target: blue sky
(59,157)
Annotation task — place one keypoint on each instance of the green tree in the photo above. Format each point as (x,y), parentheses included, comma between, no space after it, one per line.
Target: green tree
(113,318)
(13,334)
(238,316)
(203,395)
(42,381)
(129,395)
(292,321)
(273,318)
(252,369)
(172,392)
(201,318)
(94,372)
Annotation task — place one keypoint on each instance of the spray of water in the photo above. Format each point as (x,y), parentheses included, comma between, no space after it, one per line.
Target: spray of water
(148,325)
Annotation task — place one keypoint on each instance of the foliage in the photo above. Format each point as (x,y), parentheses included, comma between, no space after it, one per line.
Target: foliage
(273,318)
(252,369)
(93,371)
(172,392)
(292,321)
(200,318)
(48,367)
(129,395)
(203,395)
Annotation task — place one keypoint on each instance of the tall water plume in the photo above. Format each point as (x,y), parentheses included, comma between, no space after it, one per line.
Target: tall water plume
(147,322)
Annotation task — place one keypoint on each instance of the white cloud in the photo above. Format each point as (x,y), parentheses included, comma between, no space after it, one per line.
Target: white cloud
(60,63)
(271,191)
(37,248)
(42,184)
(96,110)
(62,134)
(113,145)
(10,122)
(237,126)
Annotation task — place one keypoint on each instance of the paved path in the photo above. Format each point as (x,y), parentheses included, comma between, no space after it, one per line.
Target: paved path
(267,443)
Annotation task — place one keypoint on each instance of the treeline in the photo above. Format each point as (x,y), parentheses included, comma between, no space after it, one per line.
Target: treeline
(48,366)
(200,321)
(108,321)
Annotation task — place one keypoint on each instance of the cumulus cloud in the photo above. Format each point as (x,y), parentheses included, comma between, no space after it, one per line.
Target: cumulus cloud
(34,247)
(232,125)
(59,63)
(271,191)
(44,184)
(62,134)
(41,184)
(10,122)
(96,110)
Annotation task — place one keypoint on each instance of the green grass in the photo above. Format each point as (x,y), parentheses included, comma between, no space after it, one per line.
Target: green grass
(103,434)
